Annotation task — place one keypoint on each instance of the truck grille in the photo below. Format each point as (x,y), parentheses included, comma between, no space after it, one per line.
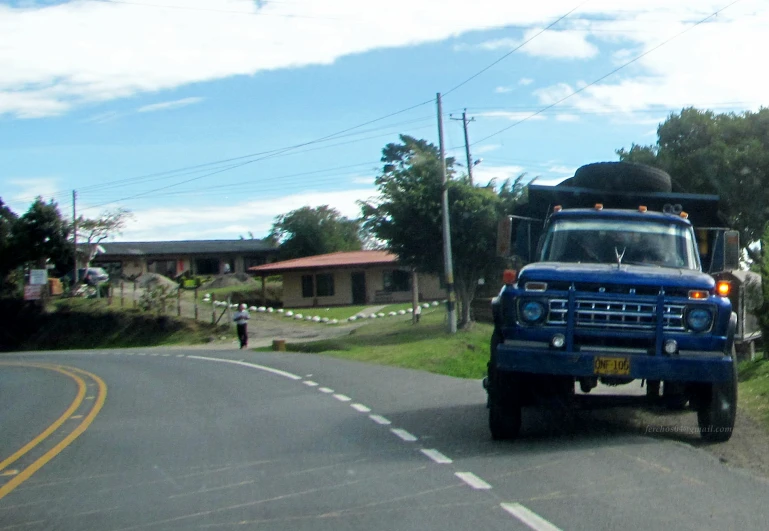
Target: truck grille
(609,314)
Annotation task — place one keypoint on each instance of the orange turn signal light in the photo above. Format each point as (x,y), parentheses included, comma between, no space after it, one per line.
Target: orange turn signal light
(723,288)
(698,294)
(684,215)
(557,208)
(509,276)
(599,206)
(642,208)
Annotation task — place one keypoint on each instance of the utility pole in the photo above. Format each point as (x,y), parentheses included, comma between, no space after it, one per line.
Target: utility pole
(470,164)
(447,262)
(74,235)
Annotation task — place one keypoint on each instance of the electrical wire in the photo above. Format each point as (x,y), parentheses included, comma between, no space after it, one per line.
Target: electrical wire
(582,89)
(511,52)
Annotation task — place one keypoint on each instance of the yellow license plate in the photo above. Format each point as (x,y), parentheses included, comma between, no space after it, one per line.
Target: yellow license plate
(611,366)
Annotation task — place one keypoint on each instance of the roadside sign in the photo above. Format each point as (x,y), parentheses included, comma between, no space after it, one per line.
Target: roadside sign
(38,277)
(33,292)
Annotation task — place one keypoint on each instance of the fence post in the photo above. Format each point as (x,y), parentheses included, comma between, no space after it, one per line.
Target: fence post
(122,294)
(196,303)
(134,296)
(109,294)
(213,309)
(179,301)
(229,309)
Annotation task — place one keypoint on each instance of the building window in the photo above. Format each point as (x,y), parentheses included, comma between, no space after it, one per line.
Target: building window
(325,284)
(396,280)
(307,286)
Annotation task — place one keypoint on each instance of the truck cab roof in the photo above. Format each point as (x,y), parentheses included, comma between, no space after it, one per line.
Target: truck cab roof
(620,214)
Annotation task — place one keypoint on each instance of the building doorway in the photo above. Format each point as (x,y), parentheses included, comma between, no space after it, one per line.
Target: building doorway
(359,288)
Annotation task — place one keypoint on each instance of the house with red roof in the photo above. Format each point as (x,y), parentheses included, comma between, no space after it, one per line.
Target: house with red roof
(343,278)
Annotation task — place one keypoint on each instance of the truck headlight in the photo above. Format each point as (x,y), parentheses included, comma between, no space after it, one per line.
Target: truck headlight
(532,312)
(699,319)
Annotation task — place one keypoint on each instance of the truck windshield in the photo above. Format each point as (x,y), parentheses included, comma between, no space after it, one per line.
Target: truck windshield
(607,241)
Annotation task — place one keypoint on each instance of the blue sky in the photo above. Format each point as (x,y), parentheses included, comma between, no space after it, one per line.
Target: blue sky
(116,98)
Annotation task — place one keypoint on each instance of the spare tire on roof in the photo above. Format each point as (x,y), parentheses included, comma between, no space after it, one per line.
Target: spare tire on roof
(621,176)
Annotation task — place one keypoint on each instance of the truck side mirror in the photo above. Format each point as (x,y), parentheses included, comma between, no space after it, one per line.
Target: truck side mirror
(732,250)
(504,236)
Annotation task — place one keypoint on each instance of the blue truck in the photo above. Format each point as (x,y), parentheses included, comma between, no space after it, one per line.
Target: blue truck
(616,279)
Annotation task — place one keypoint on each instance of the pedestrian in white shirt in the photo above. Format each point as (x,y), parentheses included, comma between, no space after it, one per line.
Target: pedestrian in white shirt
(241,318)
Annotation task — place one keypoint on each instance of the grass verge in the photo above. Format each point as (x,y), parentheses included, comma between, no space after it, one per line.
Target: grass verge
(426,346)
(89,323)
(754,390)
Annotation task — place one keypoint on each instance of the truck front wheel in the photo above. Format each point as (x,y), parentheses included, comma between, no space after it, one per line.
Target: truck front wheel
(504,419)
(718,409)
(504,402)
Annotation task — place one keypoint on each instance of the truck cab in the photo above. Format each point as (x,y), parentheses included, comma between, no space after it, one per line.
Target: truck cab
(614,294)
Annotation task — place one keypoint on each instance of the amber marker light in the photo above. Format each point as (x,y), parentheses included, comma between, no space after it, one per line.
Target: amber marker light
(723,288)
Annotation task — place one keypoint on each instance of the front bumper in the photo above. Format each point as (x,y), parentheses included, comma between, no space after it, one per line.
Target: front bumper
(698,367)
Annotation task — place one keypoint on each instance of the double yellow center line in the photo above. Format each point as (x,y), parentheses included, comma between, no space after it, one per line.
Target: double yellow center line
(82,389)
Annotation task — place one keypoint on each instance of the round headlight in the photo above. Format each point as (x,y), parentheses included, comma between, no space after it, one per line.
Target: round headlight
(699,319)
(532,312)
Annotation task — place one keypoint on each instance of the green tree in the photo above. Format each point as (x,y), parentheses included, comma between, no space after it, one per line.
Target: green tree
(407,216)
(312,231)
(40,236)
(8,257)
(723,154)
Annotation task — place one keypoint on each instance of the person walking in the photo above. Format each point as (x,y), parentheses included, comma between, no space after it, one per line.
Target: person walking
(241,318)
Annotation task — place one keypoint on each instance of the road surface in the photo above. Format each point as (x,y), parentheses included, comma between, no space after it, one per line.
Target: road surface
(145,439)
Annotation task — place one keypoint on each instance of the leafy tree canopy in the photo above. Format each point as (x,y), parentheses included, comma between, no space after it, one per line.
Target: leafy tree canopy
(312,231)
(725,154)
(407,215)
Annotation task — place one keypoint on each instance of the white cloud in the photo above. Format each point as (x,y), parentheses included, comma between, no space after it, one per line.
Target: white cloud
(257,216)
(168,105)
(511,115)
(525,81)
(93,52)
(562,170)
(548,43)
(567,117)
(503,90)
(487,148)
(363,179)
(484,173)
(26,190)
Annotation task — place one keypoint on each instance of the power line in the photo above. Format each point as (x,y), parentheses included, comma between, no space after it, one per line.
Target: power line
(221,170)
(207,166)
(511,52)
(263,154)
(582,89)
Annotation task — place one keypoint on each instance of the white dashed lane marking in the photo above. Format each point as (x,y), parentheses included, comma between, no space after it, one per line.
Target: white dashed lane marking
(379,419)
(436,456)
(342,398)
(325,390)
(360,407)
(251,366)
(403,434)
(310,383)
(473,480)
(528,517)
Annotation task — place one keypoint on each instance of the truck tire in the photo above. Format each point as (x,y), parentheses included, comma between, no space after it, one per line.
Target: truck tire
(503,402)
(504,420)
(627,176)
(718,409)
(674,396)
(653,390)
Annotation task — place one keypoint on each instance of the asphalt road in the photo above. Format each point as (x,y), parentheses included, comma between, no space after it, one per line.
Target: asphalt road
(189,439)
